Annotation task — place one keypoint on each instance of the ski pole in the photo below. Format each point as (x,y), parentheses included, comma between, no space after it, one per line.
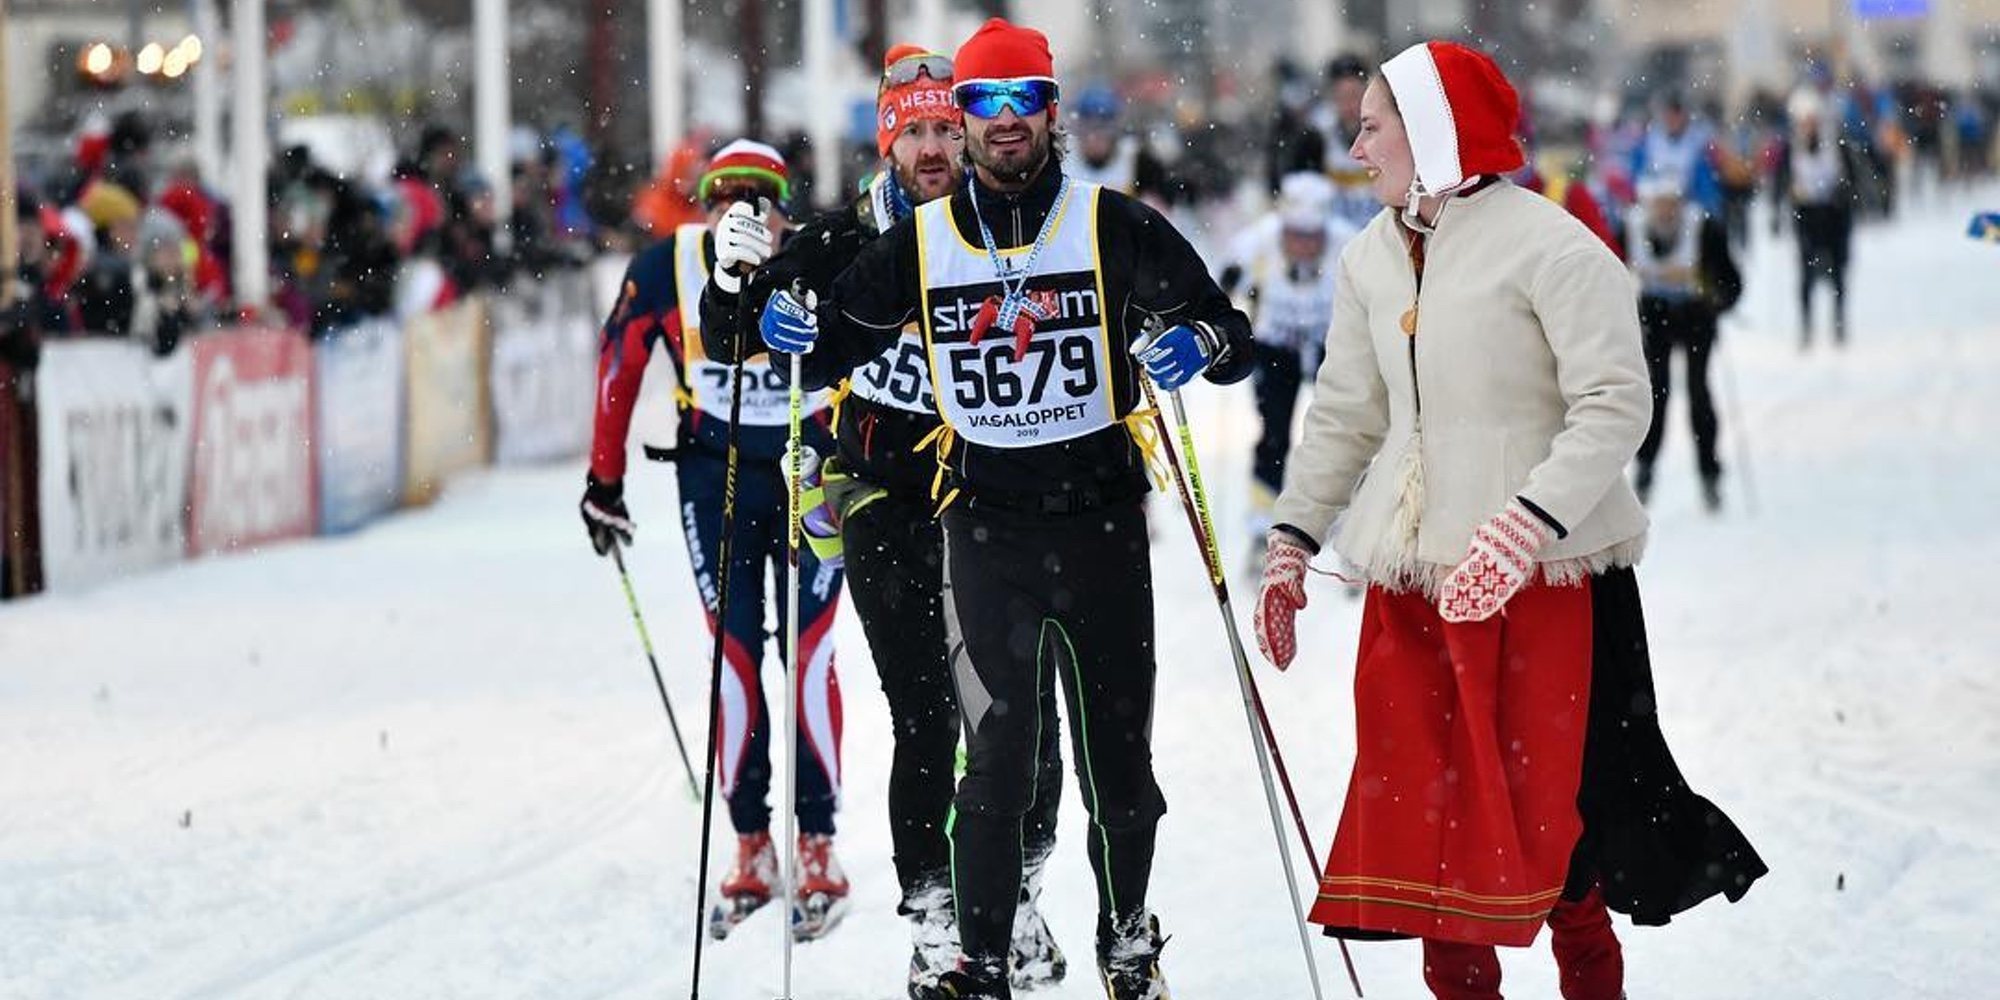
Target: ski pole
(719,625)
(788,870)
(1203,527)
(1194,500)
(646,640)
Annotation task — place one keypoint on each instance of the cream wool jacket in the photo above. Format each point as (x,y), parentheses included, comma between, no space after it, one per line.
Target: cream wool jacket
(1525,378)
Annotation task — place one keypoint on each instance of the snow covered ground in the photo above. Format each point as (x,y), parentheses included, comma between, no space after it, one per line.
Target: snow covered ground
(427,761)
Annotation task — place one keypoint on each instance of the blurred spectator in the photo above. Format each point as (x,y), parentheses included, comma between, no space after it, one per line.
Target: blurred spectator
(1817,173)
(1292,145)
(165,303)
(1679,147)
(105,292)
(1102,153)
(28,311)
(1565,187)
(1737,155)
(471,254)
(669,201)
(1337,120)
(1687,279)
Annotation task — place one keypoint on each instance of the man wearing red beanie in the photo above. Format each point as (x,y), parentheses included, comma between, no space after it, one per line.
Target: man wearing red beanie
(877,489)
(1030,289)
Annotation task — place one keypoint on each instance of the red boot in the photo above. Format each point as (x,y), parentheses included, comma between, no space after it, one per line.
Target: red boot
(1587,952)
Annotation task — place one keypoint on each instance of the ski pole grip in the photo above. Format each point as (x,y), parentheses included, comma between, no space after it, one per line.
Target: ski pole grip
(1143,344)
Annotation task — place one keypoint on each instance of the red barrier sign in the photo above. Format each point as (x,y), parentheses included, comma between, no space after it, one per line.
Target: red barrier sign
(254,469)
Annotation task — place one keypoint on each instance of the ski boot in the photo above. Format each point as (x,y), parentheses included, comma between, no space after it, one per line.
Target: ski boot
(1034,960)
(974,980)
(1128,959)
(747,887)
(933,939)
(820,898)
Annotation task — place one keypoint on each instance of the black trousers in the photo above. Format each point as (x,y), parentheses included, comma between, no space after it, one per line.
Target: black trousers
(1276,379)
(895,574)
(1687,327)
(1825,233)
(1032,601)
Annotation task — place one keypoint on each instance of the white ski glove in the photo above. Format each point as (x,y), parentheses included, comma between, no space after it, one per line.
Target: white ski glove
(742,239)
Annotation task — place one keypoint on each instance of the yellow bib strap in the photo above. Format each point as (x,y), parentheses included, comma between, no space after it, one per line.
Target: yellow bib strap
(940,441)
(1142,424)
(839,396)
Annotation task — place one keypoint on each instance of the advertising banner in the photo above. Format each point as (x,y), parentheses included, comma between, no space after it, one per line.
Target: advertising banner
(360,423)
(544,370)
(253,446)
(446,353)
(113,425)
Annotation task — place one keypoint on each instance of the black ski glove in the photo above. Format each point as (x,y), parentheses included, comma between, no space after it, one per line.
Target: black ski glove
(604,514)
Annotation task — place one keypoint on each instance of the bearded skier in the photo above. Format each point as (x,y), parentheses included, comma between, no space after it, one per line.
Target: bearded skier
(1029,288)
(876,490)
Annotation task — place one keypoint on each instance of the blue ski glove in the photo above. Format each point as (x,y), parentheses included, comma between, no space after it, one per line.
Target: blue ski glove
(789,326)
(1175,357)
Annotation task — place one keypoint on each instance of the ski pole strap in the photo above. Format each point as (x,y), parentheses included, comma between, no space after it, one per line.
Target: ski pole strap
(654,453)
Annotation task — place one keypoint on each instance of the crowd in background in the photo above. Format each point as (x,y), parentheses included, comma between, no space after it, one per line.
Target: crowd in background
(124,241)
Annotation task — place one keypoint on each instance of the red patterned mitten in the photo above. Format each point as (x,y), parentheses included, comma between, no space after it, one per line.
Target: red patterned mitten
(1497,565)
(1280,597)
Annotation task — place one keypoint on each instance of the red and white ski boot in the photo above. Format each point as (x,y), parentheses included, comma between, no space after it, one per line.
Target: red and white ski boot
(820,899)
(747,887)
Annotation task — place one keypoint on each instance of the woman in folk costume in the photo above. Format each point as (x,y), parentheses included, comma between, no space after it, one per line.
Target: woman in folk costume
(1482,391)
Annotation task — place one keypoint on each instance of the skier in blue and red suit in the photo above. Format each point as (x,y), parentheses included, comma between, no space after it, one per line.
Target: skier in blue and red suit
(650,312)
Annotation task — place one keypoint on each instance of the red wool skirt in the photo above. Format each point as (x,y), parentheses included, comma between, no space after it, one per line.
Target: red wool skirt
(1461,812)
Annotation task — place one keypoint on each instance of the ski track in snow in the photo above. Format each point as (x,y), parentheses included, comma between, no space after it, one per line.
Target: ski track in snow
(426,760)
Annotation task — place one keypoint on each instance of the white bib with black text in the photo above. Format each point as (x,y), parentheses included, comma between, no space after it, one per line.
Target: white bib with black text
(766,397)
(1061,387)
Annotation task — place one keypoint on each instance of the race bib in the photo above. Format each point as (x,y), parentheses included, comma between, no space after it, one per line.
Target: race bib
(766,396)
(899,377)
(1001,392)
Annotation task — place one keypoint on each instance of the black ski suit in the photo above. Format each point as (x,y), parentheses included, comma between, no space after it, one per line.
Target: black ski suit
(1047,572)
(894,549)
(1681,316)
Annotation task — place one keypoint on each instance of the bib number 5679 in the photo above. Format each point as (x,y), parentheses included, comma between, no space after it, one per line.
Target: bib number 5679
(989,375)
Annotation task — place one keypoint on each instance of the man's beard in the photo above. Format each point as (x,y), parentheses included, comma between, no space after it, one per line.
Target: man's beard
(1017,167)
(919,189)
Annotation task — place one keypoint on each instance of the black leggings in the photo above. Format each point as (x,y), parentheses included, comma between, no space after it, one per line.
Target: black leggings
(1824,232)
(1689,328)
(895,574)
(1277,380)
(1028,600)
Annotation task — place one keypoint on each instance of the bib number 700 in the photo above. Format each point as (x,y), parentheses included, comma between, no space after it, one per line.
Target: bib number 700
(989,375)
(753,381)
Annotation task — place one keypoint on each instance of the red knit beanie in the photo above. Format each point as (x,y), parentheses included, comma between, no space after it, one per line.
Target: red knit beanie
(1003,51)
(750,160)
(1459,111)
(921,99)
